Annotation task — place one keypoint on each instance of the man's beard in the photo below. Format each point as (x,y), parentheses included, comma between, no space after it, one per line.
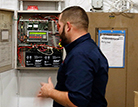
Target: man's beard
(64,40)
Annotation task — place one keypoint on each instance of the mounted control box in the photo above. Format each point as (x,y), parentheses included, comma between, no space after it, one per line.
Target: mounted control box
(37,36)
(38,41)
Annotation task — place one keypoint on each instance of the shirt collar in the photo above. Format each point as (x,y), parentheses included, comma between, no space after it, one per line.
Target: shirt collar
(70,46)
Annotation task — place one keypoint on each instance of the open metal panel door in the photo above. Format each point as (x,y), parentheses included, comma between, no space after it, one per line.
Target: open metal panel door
(116,87)
(6,40)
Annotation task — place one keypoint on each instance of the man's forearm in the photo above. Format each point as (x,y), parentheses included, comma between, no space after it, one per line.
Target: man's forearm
(61,97)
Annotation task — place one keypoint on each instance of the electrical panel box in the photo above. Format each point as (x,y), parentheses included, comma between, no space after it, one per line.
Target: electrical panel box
(38,41)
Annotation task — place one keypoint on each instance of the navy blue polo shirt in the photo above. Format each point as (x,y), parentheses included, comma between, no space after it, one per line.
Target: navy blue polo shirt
(83,73)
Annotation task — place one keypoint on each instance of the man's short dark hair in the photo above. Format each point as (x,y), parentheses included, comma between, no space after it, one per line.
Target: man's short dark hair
(77,16)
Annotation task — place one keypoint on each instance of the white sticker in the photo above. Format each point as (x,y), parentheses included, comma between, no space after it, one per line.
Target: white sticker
(5,35)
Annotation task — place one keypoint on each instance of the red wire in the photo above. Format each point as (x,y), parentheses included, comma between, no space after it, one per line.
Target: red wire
(54,17)
(20,57)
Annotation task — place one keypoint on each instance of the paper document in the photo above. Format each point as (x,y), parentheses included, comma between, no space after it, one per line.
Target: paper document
(113,49)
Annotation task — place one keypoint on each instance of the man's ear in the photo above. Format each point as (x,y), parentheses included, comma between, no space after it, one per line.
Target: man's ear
(69,26)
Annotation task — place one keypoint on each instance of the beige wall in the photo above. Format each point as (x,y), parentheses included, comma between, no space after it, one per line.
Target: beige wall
(122,81)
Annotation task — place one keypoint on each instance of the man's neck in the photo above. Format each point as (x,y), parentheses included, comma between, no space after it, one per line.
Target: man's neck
(76,35)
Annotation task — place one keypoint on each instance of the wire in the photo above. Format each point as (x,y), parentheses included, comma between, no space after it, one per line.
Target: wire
(131,6)
(118,5)
(54,16)
(46,53)
(43,50)
(20,55)
(43,45)
(130,15)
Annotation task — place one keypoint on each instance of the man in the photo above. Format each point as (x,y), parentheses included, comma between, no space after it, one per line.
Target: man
(83,75)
